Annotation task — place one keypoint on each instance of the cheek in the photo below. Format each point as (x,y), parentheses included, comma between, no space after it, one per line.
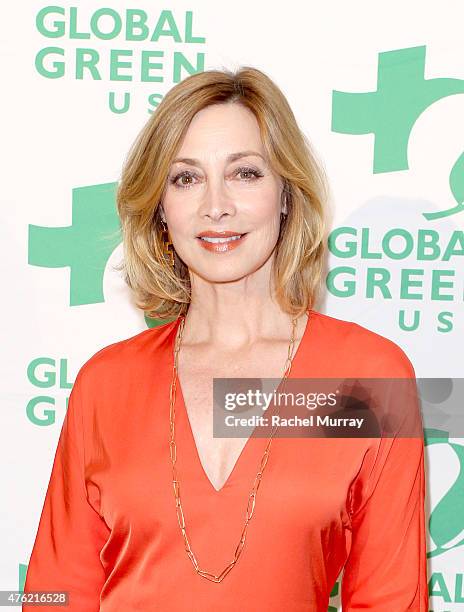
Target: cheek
(265,215)
(263,205)
(178,213)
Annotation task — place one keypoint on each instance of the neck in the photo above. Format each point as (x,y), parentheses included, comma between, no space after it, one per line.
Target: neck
(230,326)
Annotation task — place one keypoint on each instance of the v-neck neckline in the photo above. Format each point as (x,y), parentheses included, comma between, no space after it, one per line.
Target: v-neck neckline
(246,449)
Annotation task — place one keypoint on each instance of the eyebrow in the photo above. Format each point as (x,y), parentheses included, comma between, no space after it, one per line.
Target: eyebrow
(230,158)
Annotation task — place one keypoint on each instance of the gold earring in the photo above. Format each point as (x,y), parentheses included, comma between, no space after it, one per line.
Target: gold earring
(168,247)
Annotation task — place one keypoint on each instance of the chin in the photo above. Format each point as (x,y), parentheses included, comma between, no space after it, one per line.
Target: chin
(220,273)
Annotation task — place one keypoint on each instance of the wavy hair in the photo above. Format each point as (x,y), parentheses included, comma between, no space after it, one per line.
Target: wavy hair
(163,291)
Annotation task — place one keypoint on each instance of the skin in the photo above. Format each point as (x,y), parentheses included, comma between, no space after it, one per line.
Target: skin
(229,291)
(234,327)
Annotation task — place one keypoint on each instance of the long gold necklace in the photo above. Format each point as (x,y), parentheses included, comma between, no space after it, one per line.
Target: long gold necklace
(175,481)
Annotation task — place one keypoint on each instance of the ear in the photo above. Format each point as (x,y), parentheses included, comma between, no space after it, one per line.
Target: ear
(284,203)
(284,198)
(163,216)
(284,208)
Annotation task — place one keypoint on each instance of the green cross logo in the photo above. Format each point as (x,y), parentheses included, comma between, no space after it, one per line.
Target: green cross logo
(84,246)
(389,113)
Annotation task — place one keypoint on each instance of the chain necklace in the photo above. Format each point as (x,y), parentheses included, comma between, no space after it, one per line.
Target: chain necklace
(175,481)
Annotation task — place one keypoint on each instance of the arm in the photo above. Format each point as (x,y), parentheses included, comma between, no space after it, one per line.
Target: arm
(71,534)
(386,569)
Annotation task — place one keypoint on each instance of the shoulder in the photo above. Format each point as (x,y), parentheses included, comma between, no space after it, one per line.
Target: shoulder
(127,356)
(370,351)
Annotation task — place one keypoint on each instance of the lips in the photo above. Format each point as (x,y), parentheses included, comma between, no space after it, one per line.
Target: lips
(221,239)
(221,242)
(222,234)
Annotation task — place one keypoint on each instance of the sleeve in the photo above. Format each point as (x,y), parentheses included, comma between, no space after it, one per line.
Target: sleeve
(71,534)
(387,568)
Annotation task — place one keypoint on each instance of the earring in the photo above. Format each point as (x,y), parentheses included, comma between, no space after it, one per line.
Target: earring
(168,247)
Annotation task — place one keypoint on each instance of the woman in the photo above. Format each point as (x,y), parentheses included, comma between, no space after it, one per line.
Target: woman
(145,509)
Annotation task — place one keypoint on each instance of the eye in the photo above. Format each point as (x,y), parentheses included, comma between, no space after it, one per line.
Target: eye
(182,175)
(178,179)
(250,171)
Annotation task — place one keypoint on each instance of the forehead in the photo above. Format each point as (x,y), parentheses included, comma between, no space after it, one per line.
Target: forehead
(220,129)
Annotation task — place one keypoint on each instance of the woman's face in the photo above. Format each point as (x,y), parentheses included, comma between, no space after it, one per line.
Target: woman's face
(209,190)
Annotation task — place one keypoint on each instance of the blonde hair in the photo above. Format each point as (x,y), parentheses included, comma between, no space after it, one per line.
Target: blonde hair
(163,291)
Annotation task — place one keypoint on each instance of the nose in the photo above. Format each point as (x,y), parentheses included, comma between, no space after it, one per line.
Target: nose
(217,200)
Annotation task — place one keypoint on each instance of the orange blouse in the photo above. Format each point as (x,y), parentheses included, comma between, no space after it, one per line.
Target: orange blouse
(109,535)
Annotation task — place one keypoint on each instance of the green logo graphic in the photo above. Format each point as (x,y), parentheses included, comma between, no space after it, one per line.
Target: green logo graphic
(389,113)
(446,521)
(84,246)
(114,46)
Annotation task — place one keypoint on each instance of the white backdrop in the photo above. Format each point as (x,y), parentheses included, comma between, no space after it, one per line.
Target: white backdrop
(377,89)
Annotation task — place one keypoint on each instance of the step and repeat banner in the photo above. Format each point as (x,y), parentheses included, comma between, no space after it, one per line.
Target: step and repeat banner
(378,88)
